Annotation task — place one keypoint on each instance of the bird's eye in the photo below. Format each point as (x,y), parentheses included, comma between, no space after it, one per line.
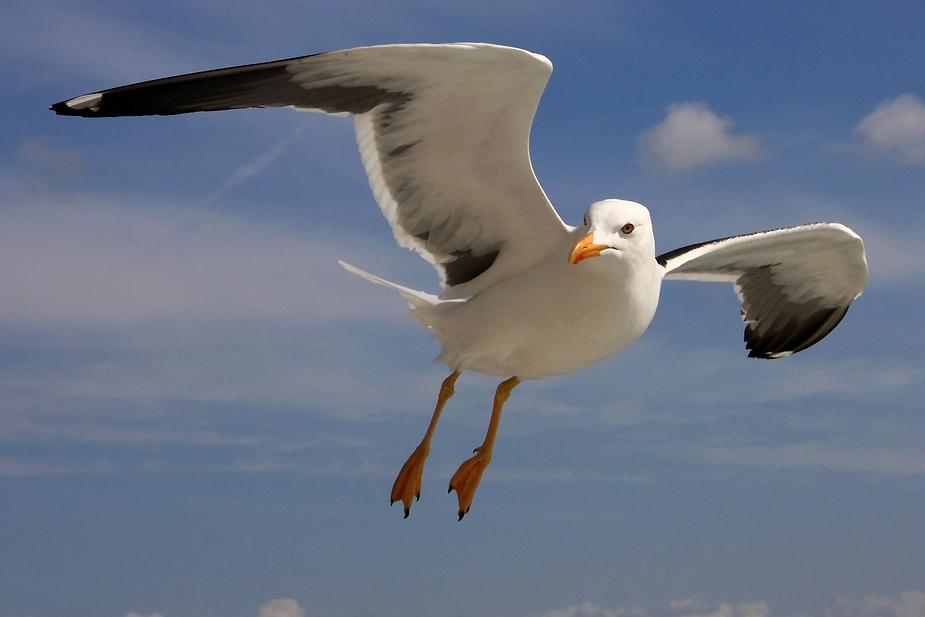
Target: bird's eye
(628,228)
(586,220)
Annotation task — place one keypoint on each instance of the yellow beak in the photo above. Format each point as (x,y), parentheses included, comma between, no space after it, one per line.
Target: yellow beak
(584,249)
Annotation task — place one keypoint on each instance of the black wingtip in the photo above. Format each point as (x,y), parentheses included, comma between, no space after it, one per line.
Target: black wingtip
(795,337)
(62,109)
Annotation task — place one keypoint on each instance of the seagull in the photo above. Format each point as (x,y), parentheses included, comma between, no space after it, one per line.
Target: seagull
(443,133)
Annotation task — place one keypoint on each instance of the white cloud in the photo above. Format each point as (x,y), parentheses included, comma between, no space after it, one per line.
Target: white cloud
(692,136)
(589,609)
(909,604)
(284,607)
(692,608)
(897,127)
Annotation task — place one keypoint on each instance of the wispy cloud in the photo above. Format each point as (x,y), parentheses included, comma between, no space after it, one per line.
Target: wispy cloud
(896,127)
(51,158)
(14,467)
(264,160)
(814,455)
(692,135)
(103,265)
(91,41)
(162,304)
(908,604)
(283,607)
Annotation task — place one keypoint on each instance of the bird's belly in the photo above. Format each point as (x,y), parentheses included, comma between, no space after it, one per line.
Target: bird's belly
(522,329)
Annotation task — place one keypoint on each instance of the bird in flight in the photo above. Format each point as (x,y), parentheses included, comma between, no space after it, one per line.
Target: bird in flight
(443,132)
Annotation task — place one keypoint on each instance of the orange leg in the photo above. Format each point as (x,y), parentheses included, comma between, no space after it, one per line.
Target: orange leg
(466,479)
(407,485)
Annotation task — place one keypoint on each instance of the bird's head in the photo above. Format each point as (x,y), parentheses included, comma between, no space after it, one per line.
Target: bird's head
(615,228)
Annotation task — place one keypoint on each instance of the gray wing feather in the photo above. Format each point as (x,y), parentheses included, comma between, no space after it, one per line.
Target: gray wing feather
(443,132)
(795,284)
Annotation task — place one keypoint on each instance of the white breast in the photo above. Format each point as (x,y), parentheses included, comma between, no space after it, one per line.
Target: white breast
(553,319)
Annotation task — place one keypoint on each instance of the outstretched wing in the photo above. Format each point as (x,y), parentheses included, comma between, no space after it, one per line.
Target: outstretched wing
(795,284)
(443,131)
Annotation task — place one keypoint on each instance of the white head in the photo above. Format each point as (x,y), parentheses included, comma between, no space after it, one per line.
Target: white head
(615,229)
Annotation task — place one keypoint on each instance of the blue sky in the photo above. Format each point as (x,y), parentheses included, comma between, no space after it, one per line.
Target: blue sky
(201,414)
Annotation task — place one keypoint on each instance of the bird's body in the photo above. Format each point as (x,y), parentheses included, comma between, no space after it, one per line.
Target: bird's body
(593,315)
(443,132)
(598,308)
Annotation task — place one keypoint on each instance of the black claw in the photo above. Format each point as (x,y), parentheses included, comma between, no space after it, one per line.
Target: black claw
(407,512)
(461,514)
(391,502)
(449,490)
(417,497)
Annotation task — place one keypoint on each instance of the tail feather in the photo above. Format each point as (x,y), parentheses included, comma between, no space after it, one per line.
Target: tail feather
(416,299)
